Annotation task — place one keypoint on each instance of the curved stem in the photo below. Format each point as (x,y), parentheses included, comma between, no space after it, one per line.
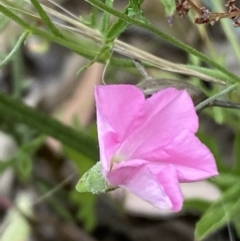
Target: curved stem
(211,99)
(19,43)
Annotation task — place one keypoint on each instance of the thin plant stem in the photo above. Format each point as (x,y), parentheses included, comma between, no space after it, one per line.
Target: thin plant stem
(46,19)
(19,43)
(164,36)
(211,99)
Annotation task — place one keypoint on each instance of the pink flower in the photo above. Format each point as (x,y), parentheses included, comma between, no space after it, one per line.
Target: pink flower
(148,146)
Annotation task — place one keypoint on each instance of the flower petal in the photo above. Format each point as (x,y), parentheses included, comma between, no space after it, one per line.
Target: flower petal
(118,108)
(167,113)
(136,177)
(169,180)
(191,158)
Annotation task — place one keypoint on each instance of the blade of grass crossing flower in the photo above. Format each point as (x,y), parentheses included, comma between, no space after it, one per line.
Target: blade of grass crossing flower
(46,19)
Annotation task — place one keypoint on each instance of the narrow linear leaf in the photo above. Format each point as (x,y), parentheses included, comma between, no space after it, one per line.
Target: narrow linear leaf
(117,28)
(46,19)
(84,48)
(170,39)
(219,213)
(14,109)
(106,18)
(19,43)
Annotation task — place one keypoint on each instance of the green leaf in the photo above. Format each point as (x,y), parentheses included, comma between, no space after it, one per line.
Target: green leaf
(106,18)
(5,164)
(196,205)
(169,5)
(24,165)
(25,156)
(86,208)
(219,213)
(82,162)
(19,43)
(211,143)
(93,181)
(14,109)
(32,146)
(225,180)
(46,19)
(236,223)
(85,202)
(170,39)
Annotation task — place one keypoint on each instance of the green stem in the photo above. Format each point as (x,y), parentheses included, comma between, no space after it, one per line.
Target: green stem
(209,100)
(164,36)
(87,50)
(46,19)
(19,43)
(12,109)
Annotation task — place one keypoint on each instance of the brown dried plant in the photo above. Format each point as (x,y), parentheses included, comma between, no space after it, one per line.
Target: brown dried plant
(206,16)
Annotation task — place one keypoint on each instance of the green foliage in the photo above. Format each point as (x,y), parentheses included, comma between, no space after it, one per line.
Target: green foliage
(19,43)
(86,208)
(14,109)
(22,160)
(196,205)
(219,213)
(81,147)
(223,211)
(236,169)
(85,202)
(211,143)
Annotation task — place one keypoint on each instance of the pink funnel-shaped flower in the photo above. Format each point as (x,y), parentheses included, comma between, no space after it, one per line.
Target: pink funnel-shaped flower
(148,146)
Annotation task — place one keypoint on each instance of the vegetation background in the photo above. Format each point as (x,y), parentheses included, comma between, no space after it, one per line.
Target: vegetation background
(52,54)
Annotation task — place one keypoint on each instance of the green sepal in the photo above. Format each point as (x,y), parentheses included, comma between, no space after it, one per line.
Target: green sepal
(93,181)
